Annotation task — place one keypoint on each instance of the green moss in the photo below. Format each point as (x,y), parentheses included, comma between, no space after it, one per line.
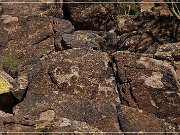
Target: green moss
(163,54)
(10,64)
(42,125)
(68,60)
(4,85)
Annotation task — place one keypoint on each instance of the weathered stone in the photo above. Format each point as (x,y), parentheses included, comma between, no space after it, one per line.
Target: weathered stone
(72,72)
(91,16)
(16,10)
(148,84)
(171,128)
(11,92)
(93,40)
(81,96)
(60,27)
(143,34)
(82,39)
(3,37)
(21,86)
(71,113)
(31,38)
(3,117)
(169,51)
(75,90)
(6,82)
(134,120)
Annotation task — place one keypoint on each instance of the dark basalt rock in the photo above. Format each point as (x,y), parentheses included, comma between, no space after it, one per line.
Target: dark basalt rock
(144,33)
(148,84)
(31,39)
(72,79)
(92,40)
(80,90)
(134,120)
(28,8)
(91,16)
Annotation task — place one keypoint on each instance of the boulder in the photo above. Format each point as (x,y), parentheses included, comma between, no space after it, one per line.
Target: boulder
(90,16)
(72,91)
(24,8)
(148,84)
(12,91)
(144,33)
(135,120)
(92,40)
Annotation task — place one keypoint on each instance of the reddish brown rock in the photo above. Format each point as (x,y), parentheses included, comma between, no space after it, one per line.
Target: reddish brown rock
(92,40)
(29,8)
(170,51)
(91,16)
(148,84)
(143,34)
(60,27)
(135,120)
(31,38)
(77,88)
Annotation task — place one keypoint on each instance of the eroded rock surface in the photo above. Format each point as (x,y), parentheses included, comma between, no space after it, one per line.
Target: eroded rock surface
(70,76)
(144,34)
(148,84)
(92,40)
(77,89)
(91,15)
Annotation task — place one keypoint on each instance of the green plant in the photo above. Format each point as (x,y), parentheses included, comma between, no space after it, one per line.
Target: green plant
(123,8)
(10,64)
(174,6)
(126,7)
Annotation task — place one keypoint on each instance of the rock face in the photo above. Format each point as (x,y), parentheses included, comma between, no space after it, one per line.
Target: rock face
(92,16)
(140,36)
(77,90)
(148,84)
(134,120)
(12,91)
(66,72)
(92,40)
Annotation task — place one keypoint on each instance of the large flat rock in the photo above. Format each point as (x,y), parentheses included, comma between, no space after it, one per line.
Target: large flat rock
(19,8)
(148,84)
(72,91)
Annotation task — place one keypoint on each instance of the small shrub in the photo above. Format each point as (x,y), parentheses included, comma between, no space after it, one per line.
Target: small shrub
(174,6)
(10,64)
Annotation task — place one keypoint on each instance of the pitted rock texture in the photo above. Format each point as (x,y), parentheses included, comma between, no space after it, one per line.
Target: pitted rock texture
(144,34)
(169,52)
(76,87)
(29,35)
(76,71)
(91,16)
(71,77)
(148,84)
(12,11)
(135,120)
(92,40)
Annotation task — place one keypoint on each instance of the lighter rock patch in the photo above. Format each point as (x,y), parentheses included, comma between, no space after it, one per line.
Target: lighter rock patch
(7,19)
(67,77)
(47,115)
(80,126)
(154,81)
(105,89)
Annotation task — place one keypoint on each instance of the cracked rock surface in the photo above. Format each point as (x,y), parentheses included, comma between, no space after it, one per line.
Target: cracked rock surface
(71,74)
